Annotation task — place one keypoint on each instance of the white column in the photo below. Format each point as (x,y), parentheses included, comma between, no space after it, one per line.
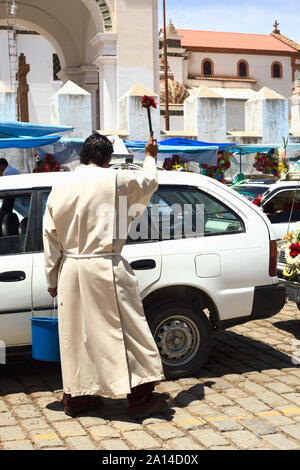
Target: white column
(295,110)
(108,94)
(106,61)
(7,103)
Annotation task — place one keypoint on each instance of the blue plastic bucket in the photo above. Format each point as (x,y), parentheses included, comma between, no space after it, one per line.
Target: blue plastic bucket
(45,342)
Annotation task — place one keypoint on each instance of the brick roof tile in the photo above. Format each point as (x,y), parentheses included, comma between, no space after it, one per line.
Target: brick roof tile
(214,39)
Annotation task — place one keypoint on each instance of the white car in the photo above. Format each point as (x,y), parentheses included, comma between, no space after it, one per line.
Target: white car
(190,286)
(280,201)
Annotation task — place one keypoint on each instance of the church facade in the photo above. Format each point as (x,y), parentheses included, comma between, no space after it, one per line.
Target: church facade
(234,65)
(104,46)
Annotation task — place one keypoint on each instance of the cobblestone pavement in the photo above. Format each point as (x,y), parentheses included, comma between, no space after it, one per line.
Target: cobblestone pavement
(247,397)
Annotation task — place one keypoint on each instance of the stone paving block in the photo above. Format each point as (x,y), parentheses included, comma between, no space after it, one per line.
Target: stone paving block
(165,431)
(257,426)
(3,406)
(234,393)
(18,399)
(69,428)
(293,397)
(220,400)
(185,420)
(18,445)
(92,420)
(224,424)
(203,411)
(221,384)
(279,387)
(103,431)
(114,444)
(46,438)
(252,404)
(34,423)
(251,386)
(7,419)
(208,437)
(127,425)
(243,439)
(280,442)
(236,412)
(293,430)
(81,443)
(141,440)
(11,433)
(183,443)
(273,399)
(26,411)
(187,399)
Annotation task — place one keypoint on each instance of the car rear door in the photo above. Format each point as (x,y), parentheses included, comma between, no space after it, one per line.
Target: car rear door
(143,255)
(17,227)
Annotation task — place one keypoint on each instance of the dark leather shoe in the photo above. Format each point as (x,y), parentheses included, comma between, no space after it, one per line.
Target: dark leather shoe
(156,404)
(77,405)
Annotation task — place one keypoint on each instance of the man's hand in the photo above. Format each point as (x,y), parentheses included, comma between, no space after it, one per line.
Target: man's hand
(53,292)
(151,148)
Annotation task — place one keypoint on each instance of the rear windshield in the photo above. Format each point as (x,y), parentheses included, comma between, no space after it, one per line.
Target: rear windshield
(251,192)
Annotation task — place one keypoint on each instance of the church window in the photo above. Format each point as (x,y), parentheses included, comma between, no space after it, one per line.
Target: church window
(56,67)
(276,70)
(243,69)
(207,67)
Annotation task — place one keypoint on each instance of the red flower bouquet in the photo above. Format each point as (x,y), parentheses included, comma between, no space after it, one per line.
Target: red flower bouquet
(149,102)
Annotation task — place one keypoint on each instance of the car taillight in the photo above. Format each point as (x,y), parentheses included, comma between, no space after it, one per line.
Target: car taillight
(273,259)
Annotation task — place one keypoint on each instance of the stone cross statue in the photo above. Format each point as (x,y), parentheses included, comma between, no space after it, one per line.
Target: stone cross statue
(276,30)
(23,89)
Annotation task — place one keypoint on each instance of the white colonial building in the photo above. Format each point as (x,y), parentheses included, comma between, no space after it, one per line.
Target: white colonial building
(234,66)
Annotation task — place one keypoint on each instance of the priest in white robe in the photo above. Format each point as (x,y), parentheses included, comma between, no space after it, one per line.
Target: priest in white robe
(106,345)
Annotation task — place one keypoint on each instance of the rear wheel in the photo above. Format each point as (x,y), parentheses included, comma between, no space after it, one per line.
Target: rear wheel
(183,335)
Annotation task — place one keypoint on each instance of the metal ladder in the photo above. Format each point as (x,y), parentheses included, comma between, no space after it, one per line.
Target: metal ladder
(12,49)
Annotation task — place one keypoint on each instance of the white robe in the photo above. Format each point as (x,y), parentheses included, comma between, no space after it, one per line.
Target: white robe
(106,345)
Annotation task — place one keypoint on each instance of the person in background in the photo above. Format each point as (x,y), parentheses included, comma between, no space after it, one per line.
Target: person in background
(6,170)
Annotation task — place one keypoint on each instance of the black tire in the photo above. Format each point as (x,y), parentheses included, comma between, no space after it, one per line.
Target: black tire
(298,305)
(180,322)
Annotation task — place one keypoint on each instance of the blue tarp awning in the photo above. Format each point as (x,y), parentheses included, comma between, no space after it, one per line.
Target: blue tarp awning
(25,129)
(27,142)
(166,147)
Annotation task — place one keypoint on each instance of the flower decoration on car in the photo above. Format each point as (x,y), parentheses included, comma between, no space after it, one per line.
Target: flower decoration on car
(292,253)
(48,165)
(274,162)
(176,163)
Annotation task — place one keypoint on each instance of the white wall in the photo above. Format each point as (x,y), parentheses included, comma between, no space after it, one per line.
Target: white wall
(38,52)
(259,69)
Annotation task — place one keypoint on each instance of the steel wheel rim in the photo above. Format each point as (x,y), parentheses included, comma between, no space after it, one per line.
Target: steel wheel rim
(178,340)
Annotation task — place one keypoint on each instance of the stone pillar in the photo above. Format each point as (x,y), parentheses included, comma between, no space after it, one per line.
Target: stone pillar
(71,106)
(295,110)
(134,118)
(87,77)
(106,62)
(7,103)
(267,115)
(205,116)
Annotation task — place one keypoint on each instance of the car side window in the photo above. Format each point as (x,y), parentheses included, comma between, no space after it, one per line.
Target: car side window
(176,212)
(279,207)
(14,222)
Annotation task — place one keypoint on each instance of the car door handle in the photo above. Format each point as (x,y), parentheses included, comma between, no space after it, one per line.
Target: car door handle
(143,265)
(12,276)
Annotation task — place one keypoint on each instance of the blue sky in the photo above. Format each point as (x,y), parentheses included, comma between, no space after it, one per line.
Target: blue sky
(240,16)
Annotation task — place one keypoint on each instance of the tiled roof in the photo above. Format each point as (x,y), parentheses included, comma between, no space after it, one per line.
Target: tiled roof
(213,39)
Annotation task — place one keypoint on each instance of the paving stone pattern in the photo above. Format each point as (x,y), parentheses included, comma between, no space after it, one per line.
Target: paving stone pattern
(246,397)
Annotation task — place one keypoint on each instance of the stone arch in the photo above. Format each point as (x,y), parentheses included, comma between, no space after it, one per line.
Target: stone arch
(101,12)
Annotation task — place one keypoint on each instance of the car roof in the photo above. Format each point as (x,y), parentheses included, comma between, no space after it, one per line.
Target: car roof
(40,180)
(270,185)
